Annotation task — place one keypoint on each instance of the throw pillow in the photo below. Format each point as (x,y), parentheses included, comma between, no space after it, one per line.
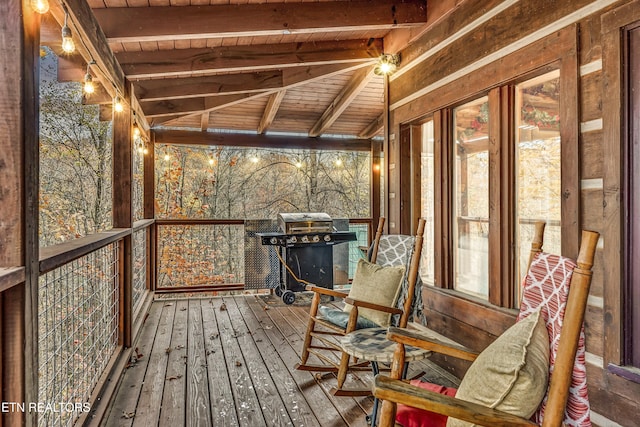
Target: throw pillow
(378,285)
(511,374)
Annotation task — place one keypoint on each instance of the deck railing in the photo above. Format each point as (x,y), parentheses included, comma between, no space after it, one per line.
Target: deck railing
(83,315)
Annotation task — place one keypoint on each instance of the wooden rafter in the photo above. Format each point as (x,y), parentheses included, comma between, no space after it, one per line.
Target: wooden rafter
(373,128)
(270,110)
(227,59)
(174,107)
(227,84)
(164,111)
(358,82)
(158,23)
(204,121)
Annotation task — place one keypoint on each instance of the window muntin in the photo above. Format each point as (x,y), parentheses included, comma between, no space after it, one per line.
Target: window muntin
(471,199)
(538,164)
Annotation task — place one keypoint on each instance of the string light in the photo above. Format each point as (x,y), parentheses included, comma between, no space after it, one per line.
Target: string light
(167,157)
(211,161)
(145,151)
(255,159)
(339,162)
(40,6)
(89,88)
(117,104)
(298,164)
(68,46)
(136,130)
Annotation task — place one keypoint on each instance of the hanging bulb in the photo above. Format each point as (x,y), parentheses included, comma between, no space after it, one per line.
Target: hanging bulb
(338,162)
(211,162)
(117,104)
(88,83)
(145,151)
(40,6)
(166,157)
(67,40)
(136,130)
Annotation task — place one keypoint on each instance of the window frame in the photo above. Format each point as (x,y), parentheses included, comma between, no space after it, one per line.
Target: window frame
(498,82)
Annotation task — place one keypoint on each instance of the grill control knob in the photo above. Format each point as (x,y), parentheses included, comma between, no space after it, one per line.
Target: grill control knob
(316,238)
(305,239)
(294,239)
(327,238)
(273,240)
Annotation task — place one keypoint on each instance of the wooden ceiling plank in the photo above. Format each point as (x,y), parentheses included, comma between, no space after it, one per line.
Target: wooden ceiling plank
(357,83)
(256,19)
(271,110)
(166,136)
(373,128)
(172,63)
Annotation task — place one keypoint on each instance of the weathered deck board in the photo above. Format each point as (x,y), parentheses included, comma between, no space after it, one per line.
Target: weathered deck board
(173,409)
(247,404)
(207,364)
(199,412)
(294,400)
(125,404)
(223,411)
(148,409)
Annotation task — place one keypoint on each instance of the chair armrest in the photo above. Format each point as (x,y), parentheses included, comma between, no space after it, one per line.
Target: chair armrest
(431,340)
(325,291)
(400,392)
(365,304)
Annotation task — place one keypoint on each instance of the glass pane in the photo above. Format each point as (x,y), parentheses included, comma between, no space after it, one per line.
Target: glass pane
(471,207)
(538,181)
(427,203)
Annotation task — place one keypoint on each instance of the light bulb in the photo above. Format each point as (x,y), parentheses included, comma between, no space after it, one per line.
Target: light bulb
(88,84)
(136,131)
(145,151)
(338,162)
(141,150)
(298,165)
(40,6)
(254,159)
(166,157)
(117,105)
(211,162)
(68,46)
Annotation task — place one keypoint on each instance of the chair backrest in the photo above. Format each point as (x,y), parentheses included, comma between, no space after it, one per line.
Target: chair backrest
(398,249)
(560,287)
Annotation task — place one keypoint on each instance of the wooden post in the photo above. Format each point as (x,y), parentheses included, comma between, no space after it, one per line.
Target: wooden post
(19,104)
(123,212)
(376,153)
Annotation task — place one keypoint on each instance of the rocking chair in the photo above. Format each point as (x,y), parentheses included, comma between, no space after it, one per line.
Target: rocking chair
(548,334)
(327,324)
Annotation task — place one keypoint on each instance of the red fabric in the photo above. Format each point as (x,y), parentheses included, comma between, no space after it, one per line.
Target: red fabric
(412,417)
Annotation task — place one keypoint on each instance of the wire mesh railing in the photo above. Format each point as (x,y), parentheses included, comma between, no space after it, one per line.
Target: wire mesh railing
(140,260)
(78,321)
(200,255)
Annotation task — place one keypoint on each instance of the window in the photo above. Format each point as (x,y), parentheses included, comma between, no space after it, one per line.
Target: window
(471,199)
(538,164)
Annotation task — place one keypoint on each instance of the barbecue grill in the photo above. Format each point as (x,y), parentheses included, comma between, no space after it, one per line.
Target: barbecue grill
(305,244)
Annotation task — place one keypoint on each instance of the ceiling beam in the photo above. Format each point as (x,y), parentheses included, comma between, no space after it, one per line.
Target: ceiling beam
(358,82)
(270,110)
(300,76)
(172,107)
(165,136)
(227,84)
(224,84)
(373,128)
(159,23)
(227,59)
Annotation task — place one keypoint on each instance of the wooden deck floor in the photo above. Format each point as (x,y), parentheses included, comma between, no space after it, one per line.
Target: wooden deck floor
(228,361)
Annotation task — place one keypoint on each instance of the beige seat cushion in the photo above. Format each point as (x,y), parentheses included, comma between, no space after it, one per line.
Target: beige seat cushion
(378,285)
(512,373)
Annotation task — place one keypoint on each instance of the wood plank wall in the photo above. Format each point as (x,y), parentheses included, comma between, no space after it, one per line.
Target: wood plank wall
(423,89)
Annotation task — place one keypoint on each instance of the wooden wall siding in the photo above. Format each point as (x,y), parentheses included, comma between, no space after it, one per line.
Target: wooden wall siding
(514,23)
(614,398)
(590,99)
(591,154)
